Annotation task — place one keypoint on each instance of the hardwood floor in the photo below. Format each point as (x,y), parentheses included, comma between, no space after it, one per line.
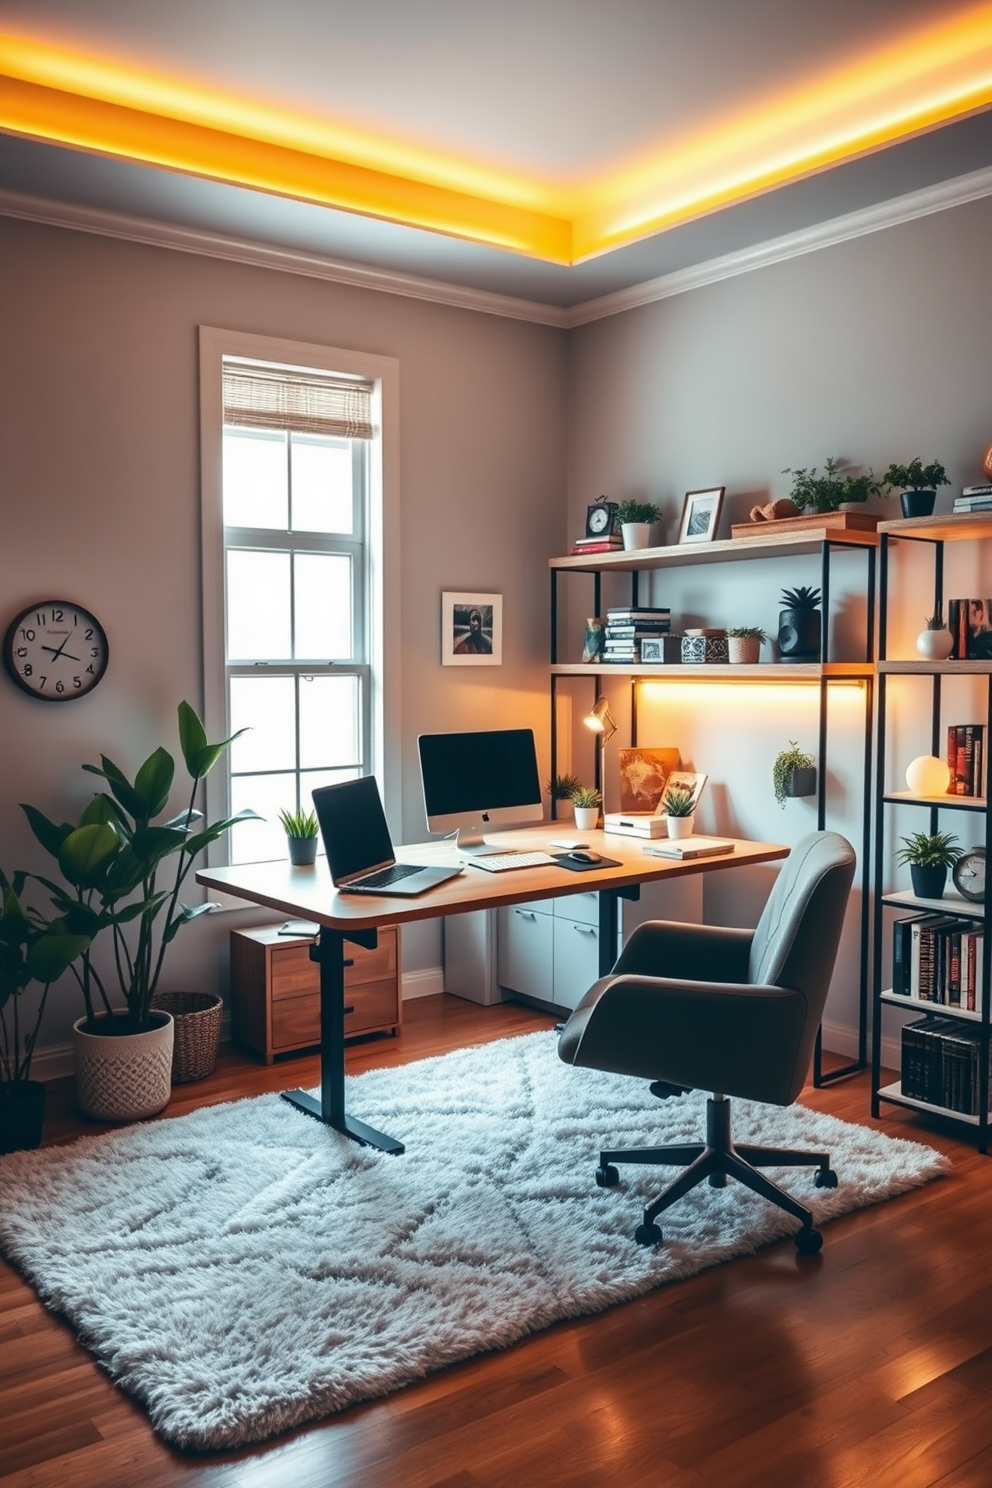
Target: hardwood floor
(869,1364)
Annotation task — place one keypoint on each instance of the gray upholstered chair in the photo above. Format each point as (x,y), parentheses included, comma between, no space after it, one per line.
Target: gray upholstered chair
(735,1012)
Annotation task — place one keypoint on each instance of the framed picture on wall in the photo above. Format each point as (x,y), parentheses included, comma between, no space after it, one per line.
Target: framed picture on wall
(700,515)
(471,629)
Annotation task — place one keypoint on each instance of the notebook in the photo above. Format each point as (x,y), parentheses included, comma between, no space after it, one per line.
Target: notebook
(358,845)
(690,847)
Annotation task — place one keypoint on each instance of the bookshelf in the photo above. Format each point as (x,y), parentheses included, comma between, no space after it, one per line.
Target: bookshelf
(957,1026)
(642,563)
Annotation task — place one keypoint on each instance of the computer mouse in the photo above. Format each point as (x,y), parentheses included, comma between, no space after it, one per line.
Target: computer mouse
(584,857)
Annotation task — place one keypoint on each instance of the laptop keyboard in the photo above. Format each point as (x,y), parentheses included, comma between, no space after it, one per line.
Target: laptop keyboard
(387,876)
(501,862)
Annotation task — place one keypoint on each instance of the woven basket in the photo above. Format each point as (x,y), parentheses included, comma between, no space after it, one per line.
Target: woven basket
(196,1016)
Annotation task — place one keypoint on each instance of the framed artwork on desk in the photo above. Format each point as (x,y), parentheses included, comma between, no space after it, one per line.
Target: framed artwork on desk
(471,629)
(701,515)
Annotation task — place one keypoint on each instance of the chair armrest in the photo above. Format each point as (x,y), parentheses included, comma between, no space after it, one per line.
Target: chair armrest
(702,953)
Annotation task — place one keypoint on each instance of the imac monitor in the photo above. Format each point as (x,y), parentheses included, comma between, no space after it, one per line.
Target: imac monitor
(477,780)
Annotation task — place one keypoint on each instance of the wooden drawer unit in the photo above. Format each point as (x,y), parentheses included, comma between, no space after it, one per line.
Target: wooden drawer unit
(275,990)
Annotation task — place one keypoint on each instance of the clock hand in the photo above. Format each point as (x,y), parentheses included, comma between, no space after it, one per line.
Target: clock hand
(61,651)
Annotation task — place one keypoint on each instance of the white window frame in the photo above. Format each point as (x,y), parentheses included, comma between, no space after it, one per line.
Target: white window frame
(382,537)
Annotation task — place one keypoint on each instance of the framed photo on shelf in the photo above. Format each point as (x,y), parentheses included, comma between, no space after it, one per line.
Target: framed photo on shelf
(701,515)
(471,629)
(688,780)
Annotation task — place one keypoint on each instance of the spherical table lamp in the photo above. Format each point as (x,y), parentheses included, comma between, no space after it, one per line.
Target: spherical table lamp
(928,776)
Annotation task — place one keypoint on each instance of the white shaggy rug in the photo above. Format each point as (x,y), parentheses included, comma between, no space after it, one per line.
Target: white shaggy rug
(243,1269)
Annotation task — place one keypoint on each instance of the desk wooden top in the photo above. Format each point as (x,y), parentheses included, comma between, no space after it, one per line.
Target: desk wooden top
(307,893)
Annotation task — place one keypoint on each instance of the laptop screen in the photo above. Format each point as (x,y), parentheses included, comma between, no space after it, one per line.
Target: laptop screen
(353,827)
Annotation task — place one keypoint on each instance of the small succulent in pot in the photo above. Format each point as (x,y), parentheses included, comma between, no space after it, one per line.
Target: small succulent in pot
(585,796)
(302,830)
(935,641)
(678,802)
(929,855)
(744,643)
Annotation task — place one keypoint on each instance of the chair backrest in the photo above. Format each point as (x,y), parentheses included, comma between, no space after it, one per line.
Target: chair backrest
(796,939)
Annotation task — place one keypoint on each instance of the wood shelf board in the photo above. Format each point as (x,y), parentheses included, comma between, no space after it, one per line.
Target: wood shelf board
(972,668)
(777,672)
(949,903)
(960,803)
(727,550)
(894,1094)
(946,527)
(893,999)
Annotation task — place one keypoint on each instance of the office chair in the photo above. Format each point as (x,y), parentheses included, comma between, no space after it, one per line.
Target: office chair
(736,1012)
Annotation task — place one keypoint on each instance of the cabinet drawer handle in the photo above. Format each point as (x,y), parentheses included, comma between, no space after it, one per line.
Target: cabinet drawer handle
(585,929)
(526,914)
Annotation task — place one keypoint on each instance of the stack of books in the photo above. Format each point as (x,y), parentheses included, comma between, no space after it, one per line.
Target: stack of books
(938,958)
(974,498)
(965,750)
(606,542)
(626,628)
(940,1062)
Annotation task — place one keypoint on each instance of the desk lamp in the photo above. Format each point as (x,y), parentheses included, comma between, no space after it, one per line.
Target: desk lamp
(602,722)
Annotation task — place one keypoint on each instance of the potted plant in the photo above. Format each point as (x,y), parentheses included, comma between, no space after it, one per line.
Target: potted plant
(744,643)
(32,950)
(918,484)
(110,865)
(586,800)
(929,855)
(302,831)
(679,810)
(799,631)
(793,774)
(634,518)
(561,788)
(935,641)
(831,490)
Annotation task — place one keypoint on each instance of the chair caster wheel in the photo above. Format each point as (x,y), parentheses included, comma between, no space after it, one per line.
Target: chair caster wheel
(808,1242)
(608,1176)
(825,1178)
(648,1234)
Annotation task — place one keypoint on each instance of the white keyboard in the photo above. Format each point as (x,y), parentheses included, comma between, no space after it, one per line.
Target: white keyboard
(500,862)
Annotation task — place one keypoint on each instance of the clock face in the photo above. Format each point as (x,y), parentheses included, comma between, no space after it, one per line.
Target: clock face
(55,650)
(969,874)
(599,518)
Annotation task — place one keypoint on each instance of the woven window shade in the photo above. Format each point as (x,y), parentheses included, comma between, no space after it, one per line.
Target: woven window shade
(305,402)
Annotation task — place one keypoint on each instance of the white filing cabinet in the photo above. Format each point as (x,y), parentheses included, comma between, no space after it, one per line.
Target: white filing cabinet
(549,948)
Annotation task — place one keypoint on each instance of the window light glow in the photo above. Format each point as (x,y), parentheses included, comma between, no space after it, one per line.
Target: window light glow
(917,83)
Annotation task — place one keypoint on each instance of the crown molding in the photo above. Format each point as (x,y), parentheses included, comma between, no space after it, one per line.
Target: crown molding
(899,209)
(263,255)
(924,203)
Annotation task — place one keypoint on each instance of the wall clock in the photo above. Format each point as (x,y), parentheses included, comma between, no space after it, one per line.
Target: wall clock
(969,874)
(55,650)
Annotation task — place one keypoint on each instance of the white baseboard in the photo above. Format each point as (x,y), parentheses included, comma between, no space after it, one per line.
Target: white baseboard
(424,983)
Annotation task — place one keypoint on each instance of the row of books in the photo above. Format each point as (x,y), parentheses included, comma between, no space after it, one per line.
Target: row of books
(938,958)
(626,627)
(974,498)
(940,1064)
(970,624)
(965,758)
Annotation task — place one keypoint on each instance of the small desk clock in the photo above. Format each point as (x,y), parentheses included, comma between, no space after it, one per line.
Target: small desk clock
(969,874)
(55,650)
(599,518)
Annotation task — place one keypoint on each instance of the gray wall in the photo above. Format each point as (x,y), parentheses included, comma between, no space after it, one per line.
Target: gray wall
(99,470)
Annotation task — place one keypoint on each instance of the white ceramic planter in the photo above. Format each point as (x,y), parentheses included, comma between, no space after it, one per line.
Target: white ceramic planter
(680,826)
(586,818)
(123,1077)
(935,645)
(636,535)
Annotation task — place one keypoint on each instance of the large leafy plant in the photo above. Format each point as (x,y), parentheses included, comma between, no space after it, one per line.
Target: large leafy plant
(32,949)
(111,864)
(826,492)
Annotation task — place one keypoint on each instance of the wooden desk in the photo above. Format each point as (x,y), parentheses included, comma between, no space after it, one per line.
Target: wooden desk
(307,893)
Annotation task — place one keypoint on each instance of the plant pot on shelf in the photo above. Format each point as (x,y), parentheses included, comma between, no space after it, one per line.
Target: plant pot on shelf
(302,851)
(196,1018)
(928,883)
(917,503)
(121,1075)
(636,535)
(679,826)
(586,818)
(935,645)
(22,1115)
(744,650)
(799,634)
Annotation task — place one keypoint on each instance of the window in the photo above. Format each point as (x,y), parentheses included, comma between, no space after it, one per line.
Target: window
(293,594)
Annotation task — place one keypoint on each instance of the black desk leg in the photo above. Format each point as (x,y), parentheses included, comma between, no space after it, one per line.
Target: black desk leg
(329,953)
(609,923)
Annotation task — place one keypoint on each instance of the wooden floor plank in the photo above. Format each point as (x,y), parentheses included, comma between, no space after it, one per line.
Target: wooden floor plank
(867,1367)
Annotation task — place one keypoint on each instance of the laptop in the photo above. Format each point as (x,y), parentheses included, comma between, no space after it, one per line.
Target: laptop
(358,845)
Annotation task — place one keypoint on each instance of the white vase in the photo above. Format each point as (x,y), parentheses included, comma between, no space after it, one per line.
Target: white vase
(123,1077)
(679,826)
(586,818)
(636,535)
(935,645)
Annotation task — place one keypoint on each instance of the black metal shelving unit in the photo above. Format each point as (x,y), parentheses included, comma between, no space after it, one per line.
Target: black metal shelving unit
(935,532)
(821,541)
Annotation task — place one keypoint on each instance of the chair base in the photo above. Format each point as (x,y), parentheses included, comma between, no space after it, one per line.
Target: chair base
(717,1160)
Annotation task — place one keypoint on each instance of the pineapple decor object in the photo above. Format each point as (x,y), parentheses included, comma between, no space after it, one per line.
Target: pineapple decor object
(799,629)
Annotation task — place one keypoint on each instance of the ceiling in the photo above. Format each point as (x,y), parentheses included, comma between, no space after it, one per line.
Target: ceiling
(555,151)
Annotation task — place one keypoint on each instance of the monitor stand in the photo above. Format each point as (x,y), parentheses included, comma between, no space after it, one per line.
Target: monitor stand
(471,842)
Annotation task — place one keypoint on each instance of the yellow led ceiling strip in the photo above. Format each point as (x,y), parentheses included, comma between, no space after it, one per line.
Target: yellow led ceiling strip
(915,84)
